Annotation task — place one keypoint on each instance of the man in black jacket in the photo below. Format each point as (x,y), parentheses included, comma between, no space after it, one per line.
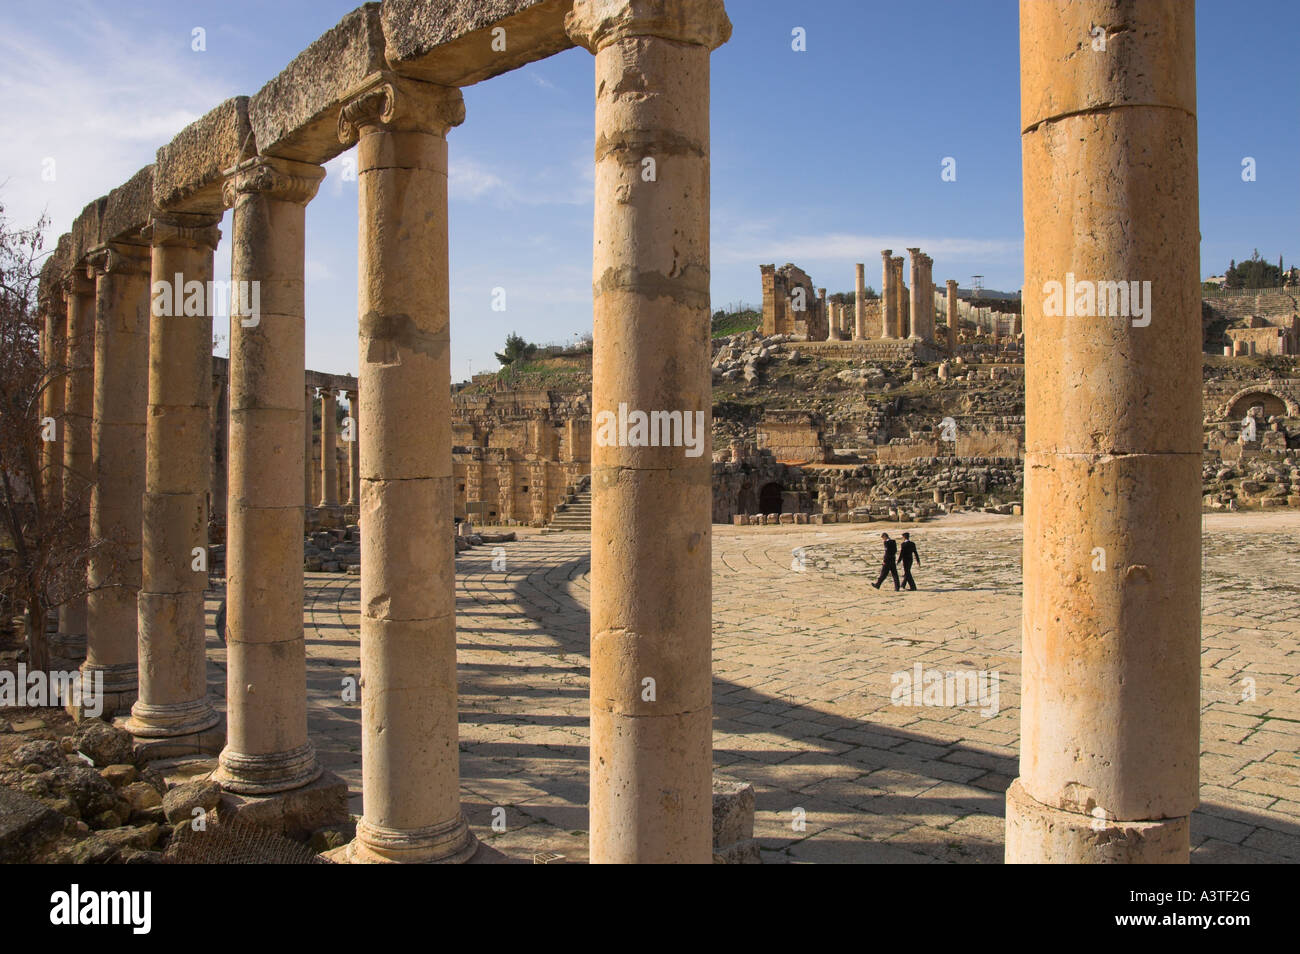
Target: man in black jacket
(889,566)
(908,554)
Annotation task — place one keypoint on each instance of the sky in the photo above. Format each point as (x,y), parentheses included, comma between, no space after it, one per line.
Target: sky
(821,156)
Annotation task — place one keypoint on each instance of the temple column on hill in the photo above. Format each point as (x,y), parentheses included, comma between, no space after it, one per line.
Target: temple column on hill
(914,300)
(859,301)
(651,692)
(951,285)
(1112,617)
(888,293)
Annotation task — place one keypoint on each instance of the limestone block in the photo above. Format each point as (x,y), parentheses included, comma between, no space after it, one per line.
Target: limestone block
(294,814)
(1038,833)
(451,41)
(733,822)
(128,207)
(190,170)
(296,115)
(86,230)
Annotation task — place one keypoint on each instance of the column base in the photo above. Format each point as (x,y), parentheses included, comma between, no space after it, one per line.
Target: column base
(170,720)
(269,773)
(154,748)
(1040,834)
(450,843)
(118,693)
(294,814)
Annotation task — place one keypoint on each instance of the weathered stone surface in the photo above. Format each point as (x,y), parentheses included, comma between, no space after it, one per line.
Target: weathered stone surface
(733,811)
(103,744)
(128,207)
(118,775)
(86,230)
(296,115)
(120,844)
(41,752)
(450,41)
(296,813)
(25,825)
(189,170)
(179,803)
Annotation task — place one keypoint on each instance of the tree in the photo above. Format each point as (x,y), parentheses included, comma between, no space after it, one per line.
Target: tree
(517,349)
(43,563)
(1254,273)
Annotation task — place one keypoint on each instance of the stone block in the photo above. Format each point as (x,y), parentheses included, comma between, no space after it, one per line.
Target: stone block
(296,813)
(128,207)
(733,822)
(739,520)
(451,41)
(296,115)
(189,170)
(817,518)
(86,230)
(787,518)
(801,518)
(25,824)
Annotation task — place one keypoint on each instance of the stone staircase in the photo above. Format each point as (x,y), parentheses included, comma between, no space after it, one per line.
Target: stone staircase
(574,512)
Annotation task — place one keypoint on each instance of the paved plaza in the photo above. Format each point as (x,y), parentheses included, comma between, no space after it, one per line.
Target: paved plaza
(805,658)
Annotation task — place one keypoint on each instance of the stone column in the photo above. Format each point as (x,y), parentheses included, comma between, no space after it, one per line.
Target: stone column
(888,293)
(267,749)
(1112,618)
(914,300)
(78,474)
(329,464)
(55,356)
(173,714)
(898,320)
(354,450)
(953,314)
(220,458)
(118,450)
(859,301)
(309,482)
(651,695)
(822,310)
(925,320)
(410,767)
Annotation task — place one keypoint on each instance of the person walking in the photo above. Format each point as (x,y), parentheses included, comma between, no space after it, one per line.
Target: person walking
(908,553)
(890,566)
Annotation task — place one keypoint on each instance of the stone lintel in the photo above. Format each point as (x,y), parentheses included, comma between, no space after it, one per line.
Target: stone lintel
(86,231)
(295,115)
(128,208)
(450,42)
(190,170)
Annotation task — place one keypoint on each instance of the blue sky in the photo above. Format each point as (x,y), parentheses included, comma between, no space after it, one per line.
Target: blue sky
(821,157)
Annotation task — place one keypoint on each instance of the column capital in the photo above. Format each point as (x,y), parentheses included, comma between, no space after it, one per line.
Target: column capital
(79,282)
(951,282)
(886,253)
(282,179)
(118,258)
(915,253)
(183,228)
(397,104)
(594,24)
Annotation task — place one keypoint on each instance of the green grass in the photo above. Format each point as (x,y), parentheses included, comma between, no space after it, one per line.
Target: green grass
(733,323)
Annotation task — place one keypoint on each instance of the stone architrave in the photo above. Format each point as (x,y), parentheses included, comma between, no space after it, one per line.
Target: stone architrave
(267,749)
(1112,617)
(651,693)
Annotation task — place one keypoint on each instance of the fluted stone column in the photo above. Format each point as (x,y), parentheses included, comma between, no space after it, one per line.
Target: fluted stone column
(410,753)
(953,314)
(914,301)
(173,704)
(651,695)
(329,472)
(1110,698)
(898,319)
(888,293)
(78,473)
(55,358)
(267,749)
(859,301)
(118,449)
(354,450)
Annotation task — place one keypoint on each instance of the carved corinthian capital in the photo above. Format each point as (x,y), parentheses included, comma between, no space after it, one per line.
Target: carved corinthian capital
(397,104)
(183,228)
(282,179)
(594,24)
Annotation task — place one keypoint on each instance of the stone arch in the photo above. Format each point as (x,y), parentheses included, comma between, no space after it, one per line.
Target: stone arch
(1274,403)
(769,498)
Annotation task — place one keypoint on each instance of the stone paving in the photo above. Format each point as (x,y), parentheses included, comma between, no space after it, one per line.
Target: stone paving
(805,657)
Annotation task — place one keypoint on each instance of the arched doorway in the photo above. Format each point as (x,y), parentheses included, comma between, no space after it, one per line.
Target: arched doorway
(1273,405)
